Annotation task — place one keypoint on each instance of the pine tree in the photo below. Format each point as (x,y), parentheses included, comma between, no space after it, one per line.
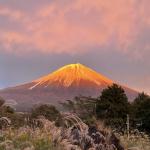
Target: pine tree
(112,106)
(141,110)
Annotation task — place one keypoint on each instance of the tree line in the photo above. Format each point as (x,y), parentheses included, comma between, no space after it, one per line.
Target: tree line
(111,107)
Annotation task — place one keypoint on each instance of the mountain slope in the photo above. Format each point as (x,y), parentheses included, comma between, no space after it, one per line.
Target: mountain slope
(72,75)
(65,83)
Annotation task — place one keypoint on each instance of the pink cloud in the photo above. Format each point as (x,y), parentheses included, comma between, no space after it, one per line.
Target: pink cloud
(11,13)
(72,26)
(10,39)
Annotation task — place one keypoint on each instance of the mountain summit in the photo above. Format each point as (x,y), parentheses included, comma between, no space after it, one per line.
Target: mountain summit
(63,84)
(72,75)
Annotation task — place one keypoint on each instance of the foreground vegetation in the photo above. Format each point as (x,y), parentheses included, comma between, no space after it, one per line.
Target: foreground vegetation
(104,124)
(137,142)
(71,136)
(26,139)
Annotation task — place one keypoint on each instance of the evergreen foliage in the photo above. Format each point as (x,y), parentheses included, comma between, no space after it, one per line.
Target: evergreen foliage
(141,111)
(113,106)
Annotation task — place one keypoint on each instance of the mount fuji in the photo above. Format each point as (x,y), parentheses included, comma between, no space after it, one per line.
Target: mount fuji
(63,84)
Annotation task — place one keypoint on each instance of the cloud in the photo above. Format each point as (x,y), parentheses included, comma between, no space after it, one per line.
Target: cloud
(78,26)
(11,13)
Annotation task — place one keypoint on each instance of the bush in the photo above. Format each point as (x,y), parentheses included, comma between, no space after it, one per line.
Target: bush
(48,111)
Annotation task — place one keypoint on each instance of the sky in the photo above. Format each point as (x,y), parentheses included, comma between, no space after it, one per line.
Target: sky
(111,37)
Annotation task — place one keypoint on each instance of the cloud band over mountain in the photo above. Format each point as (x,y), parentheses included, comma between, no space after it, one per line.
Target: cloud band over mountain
(75,26)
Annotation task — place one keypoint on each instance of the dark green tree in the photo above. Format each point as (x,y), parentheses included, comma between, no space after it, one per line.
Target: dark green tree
(46,110)
(112,106)
(141,97)
(141,111)
(5,111)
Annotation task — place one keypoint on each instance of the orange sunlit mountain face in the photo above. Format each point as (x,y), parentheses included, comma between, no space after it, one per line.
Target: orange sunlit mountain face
(73,75)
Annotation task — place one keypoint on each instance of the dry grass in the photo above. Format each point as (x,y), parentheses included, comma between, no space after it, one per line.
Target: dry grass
(26,139)
(136,142)
(74,135)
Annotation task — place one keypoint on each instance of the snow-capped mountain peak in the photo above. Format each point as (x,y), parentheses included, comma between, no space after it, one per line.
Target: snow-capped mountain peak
(72,75)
